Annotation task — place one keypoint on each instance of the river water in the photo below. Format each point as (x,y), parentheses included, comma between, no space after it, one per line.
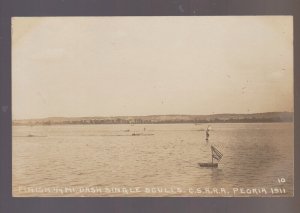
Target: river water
(160,160)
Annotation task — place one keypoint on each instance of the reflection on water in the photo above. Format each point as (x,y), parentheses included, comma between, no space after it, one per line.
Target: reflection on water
(157,155)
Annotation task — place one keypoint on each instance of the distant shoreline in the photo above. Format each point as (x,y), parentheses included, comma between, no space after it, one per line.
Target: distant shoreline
(152,123)
(268,117)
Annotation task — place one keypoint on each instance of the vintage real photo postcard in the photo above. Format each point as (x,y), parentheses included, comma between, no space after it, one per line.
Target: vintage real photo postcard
(153,106)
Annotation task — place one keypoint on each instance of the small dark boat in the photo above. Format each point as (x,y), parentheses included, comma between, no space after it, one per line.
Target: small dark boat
(135,134)
(215,154)
(208,165)
(138,134)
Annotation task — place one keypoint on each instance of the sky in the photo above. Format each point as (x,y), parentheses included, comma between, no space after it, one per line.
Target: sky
(112,66)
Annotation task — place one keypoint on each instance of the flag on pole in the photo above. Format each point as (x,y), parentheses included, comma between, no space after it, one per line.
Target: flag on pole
(216,154)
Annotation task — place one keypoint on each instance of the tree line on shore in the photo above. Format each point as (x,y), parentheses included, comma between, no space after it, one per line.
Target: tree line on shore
(257,118)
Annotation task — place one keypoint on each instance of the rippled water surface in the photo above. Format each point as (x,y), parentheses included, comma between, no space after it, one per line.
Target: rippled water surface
(76,160)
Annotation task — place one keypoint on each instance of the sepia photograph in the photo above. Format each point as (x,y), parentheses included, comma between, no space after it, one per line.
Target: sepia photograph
(152,106)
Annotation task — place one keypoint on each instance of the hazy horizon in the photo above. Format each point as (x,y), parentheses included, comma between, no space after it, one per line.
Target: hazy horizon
(139,66)
(95,116)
